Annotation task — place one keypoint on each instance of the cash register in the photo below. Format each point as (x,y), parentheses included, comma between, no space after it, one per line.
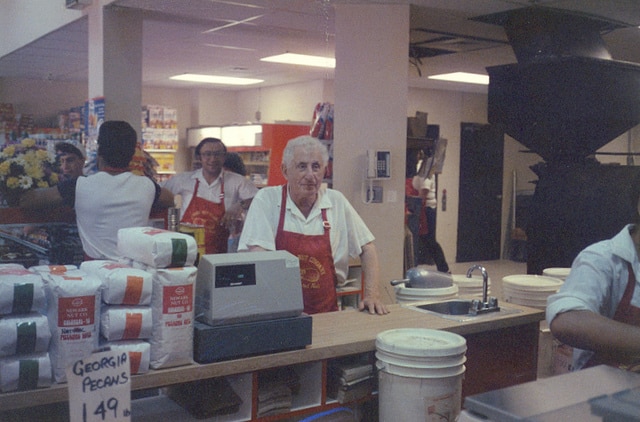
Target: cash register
(248,303)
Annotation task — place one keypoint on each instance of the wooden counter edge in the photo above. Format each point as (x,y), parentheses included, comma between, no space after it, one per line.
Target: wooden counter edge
(346,345)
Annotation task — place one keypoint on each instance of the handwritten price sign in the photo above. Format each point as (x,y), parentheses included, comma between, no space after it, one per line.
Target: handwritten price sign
(100,388)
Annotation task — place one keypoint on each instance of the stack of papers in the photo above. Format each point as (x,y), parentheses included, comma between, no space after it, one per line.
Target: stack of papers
(350,378)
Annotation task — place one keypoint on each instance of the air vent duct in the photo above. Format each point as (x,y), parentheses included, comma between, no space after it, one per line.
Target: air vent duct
(565,98)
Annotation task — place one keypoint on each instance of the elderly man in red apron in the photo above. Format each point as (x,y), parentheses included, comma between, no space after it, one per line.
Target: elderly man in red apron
(316,224)
(212,196)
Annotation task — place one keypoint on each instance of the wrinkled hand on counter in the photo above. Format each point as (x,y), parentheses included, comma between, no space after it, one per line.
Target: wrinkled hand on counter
(374,306)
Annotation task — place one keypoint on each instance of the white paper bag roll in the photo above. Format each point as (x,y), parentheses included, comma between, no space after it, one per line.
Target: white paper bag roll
(24,334)
(26,372)
(156,247)
(139,353)
(121,283)
(21,291)
(126,322)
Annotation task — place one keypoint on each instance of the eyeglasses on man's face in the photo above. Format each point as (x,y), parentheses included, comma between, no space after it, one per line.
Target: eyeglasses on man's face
(212,154)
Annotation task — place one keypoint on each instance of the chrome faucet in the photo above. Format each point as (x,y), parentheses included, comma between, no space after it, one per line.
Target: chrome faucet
(488,304)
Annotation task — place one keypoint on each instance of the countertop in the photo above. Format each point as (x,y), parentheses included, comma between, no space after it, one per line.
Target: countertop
(333,334)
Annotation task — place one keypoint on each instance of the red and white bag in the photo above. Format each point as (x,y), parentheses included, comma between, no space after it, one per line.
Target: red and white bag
(126,322)
(74,319)
(122,284)
(21,291)
(172,306)
(157,248)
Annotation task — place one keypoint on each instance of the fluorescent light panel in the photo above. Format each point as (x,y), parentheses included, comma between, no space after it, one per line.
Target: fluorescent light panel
(211,79)
(469,78)
(302,60)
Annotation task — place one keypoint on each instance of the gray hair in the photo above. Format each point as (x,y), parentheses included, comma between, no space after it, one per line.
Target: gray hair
(309,144)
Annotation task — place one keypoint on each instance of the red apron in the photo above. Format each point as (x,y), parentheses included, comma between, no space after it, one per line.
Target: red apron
(317,270)
(208,214)
(626,312)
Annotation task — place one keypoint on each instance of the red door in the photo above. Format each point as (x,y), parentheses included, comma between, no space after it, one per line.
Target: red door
(275,137)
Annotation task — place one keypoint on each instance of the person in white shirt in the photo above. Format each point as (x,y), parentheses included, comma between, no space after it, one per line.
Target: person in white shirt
(428,241)
(316,224)
(111,199)
(597,309)
(211,196)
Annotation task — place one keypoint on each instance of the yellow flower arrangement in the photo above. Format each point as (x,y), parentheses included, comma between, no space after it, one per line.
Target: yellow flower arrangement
(25,166)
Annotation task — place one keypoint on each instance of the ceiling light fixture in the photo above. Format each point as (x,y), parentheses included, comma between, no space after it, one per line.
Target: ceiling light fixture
(464,77)
(211,79)
(302,60)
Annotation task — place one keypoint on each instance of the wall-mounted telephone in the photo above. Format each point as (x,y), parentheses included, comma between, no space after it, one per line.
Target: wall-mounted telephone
(378,164)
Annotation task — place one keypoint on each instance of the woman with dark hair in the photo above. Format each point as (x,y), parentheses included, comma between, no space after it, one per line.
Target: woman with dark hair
(233,162)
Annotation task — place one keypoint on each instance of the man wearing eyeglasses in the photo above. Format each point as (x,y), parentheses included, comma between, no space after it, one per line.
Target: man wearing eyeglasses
(212,197)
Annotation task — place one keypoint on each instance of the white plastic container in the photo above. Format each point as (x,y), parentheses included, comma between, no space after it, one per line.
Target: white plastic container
(410,294)
(529,289)
(558,272)
(470,286)
(420,374)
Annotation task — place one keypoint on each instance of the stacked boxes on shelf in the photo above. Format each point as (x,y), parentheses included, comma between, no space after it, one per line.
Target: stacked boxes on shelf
(351,378)
(14,126)
(160,136)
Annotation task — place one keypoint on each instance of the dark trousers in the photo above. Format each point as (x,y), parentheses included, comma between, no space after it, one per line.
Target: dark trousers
(414,206)
(429,247)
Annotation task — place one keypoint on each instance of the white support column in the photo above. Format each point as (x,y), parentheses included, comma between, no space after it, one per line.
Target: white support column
(115,62)
(371,84)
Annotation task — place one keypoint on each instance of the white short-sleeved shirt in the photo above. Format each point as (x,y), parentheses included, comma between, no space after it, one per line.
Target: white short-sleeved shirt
(348,232)
(596,282)
(430,184)
(236,187)
(100,216)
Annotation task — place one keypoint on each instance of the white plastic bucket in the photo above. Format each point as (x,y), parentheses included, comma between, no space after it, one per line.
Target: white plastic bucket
(470,286)
(411,294)
(420,374)
(529,289)
(558,272)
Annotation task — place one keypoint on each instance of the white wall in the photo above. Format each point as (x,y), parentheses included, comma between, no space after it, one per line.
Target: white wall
(195,107)
(51,15)
(294,102)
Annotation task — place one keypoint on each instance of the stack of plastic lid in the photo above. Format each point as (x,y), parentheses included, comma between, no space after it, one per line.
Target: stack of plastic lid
(557,272)
(412,294)
(470,286)
(529,290)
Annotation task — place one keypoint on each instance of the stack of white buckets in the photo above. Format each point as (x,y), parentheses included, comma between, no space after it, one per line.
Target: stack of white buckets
(420,371)
(434,294)
(470,286)
(530,289)
(420,374)
(461,286)
(533,291)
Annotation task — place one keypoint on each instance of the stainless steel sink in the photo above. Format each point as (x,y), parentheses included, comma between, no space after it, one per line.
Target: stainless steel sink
(452,307)
(459,309)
